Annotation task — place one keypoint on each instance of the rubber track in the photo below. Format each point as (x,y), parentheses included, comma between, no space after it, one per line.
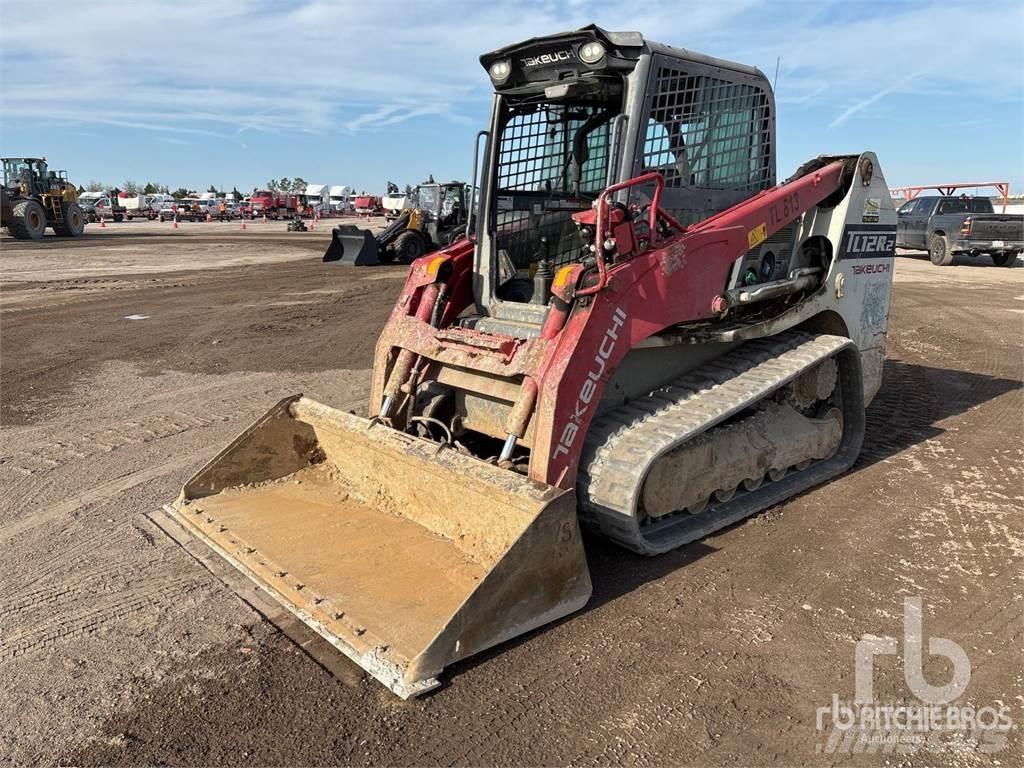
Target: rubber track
(622,444)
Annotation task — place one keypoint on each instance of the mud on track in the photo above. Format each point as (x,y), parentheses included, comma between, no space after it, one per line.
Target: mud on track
(116,647)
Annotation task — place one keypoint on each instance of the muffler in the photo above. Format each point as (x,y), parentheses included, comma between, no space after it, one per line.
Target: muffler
(404,554)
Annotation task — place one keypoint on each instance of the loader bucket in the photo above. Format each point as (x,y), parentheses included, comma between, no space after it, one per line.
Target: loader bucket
(405,555)
(352,245)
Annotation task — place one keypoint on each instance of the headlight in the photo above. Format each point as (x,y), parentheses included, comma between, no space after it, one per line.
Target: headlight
(500,70)
(591,53)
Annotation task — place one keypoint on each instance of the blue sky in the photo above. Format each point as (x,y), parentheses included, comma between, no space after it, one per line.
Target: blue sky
(197,93)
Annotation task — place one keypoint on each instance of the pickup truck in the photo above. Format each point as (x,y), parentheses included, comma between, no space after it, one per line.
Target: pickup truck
(100,205)
(947,225)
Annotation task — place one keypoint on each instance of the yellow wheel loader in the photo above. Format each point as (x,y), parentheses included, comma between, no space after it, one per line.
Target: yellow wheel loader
(644,333)
(434,219)
(33,198)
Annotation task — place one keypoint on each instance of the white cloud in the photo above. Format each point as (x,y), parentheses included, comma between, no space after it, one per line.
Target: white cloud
(876,96)
(204,68)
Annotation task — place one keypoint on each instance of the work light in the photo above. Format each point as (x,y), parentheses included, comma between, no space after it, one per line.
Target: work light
(500,70)
(591,53)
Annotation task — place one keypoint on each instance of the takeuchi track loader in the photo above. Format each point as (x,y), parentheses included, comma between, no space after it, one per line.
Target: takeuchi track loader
(645,334)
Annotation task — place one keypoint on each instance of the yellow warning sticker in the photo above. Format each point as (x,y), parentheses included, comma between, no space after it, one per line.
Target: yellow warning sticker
(757,235)
(562,275)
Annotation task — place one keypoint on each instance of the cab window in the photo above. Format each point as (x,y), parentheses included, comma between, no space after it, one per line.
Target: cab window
(954,205)
(925,206)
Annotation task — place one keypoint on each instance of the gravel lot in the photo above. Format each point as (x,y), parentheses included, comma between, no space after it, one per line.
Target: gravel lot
(117,647)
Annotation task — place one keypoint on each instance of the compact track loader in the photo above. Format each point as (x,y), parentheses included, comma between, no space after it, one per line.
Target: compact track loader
(645,334)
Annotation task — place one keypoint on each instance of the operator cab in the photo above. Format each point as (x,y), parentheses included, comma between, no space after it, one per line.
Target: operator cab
(576,112)
(29,173)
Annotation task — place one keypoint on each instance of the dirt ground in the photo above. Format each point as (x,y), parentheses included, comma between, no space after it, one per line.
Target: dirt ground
(117,647)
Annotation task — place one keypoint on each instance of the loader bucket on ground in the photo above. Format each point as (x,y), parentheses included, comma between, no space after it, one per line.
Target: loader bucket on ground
(405,555)
(352,245)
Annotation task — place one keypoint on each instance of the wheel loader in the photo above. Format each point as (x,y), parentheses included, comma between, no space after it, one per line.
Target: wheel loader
(437,218)
(33,198)
(644,335)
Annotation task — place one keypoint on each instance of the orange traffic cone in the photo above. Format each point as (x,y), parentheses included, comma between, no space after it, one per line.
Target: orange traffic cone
(312,224)
(103,223)
(243,223)
(175,224)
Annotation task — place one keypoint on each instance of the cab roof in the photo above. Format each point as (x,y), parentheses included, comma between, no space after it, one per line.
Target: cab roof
(627,45)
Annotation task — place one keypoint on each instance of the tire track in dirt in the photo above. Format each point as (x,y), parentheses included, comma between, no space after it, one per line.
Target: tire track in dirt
(94,495)
(44,455)
(37,461)
(160,593)
(33,599)
(72,552)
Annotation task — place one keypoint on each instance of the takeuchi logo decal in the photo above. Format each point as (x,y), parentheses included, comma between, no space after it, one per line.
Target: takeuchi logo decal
(589,387)
(552,57)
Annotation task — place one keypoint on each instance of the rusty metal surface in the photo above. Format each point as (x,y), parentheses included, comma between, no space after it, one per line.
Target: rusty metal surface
(494,353)
(479,382)
(404,555)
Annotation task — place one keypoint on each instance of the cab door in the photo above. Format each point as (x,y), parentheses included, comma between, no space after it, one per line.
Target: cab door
(917,223)
(902,217)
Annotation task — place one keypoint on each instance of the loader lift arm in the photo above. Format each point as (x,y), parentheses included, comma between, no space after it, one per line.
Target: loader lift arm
(677,280)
